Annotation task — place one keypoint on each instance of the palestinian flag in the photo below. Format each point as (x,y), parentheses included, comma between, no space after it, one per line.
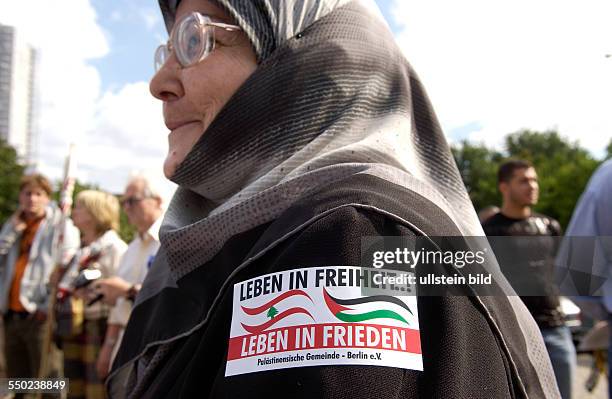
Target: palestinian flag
(340,308)
(272,313)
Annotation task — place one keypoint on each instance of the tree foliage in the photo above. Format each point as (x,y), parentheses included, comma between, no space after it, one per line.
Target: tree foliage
(127,232)
(78,187)
(10,175)
(563,167)
(478,168)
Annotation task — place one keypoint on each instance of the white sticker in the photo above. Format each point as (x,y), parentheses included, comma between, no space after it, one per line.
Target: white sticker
(320,317)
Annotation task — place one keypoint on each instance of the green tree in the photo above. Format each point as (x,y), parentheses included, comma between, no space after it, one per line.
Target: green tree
(478,168)
(563,167)
(127,232)
(78,187)
(609,150)
(537,146)
(10,175)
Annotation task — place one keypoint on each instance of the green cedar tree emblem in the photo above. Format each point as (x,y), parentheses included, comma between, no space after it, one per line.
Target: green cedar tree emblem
(272,312)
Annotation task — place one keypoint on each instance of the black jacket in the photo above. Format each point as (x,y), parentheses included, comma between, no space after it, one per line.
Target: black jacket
(472,347)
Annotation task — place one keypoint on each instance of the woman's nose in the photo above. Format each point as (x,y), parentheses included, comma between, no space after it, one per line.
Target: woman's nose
(166,84)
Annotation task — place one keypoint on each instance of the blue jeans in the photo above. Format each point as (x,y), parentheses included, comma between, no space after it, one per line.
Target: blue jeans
(562,354)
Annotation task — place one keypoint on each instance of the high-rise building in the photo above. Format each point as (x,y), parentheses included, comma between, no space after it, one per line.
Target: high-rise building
(17,68)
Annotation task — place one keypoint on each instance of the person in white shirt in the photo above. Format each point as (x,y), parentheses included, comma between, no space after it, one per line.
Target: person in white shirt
(143,207)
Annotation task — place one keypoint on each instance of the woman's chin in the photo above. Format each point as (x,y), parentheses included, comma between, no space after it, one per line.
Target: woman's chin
(180,142)
(171,164)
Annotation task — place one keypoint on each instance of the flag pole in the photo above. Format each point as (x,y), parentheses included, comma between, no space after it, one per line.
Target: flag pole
(65,205)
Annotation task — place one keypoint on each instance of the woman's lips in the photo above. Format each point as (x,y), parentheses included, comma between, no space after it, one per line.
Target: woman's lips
(177,125)
(185,131)
(183,136)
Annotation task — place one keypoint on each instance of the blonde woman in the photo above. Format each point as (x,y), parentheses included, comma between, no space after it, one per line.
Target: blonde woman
(96,215)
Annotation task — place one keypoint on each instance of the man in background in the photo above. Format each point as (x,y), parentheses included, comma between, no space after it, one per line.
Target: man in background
(142,204)
(588,242)
(28,252)
(527,260)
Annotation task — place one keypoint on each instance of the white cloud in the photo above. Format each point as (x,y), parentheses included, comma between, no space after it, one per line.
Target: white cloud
(67,85)
(508,66)
(128,135)
(116,132)
(150,16)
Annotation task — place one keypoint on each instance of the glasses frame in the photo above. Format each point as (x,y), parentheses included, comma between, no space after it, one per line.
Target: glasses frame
(131,201)
(203,21)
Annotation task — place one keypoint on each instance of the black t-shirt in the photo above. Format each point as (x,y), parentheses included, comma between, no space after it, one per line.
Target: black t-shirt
(527,261)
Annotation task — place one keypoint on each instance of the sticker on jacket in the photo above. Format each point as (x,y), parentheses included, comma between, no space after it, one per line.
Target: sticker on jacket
(320,317)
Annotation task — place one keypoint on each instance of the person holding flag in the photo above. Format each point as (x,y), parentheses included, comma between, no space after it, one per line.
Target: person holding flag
(28,252)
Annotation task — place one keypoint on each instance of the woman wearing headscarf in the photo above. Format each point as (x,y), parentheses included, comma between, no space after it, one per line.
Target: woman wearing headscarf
(86,360)
(297,128)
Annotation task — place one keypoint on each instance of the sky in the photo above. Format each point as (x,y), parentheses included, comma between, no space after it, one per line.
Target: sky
(490,68)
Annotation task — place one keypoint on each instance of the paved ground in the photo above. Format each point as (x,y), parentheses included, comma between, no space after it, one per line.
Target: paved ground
(583,372)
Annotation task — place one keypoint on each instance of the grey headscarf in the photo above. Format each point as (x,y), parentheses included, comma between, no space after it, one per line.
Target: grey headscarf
(292,128)
(332,97)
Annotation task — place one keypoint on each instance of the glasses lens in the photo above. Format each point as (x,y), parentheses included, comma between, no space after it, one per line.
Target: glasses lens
(161,55)
(130,201)
(192,39)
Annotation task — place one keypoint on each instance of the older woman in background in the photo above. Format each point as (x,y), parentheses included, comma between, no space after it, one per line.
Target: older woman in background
(96,215)
(296,129)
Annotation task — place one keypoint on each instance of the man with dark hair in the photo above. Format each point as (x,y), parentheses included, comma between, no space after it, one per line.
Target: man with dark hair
(527,260)
(28,251)
(506,170)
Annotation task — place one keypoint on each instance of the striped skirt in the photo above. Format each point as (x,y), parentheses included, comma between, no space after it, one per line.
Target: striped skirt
(80,356)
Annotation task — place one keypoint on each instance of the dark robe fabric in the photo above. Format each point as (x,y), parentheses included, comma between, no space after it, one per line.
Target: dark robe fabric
(466,352)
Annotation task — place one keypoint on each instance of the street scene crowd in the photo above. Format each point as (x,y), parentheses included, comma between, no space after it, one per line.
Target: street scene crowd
(295,130)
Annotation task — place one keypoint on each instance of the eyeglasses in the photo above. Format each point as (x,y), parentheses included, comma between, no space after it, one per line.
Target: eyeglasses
(131,201)
(191,39)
